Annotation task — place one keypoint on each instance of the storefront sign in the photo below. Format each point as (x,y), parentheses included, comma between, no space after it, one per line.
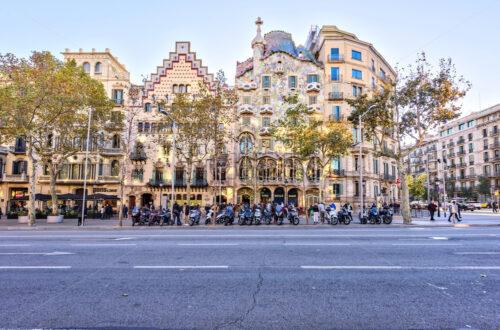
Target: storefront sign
(104,190)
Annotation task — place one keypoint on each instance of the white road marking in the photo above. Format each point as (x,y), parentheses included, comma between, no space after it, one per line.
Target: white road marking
(477,252)
(437,287)
(316,244)
(426,244)
(35,267)
(122,238)
(207,244)
(437,237)
(103,244)
(15,245)
(55,253)
(407,267)
(181,267)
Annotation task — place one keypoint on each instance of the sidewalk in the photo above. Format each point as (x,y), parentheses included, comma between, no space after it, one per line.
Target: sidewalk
(469,219)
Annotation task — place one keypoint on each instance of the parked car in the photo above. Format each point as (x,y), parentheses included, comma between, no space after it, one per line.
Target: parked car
(466,207)
(477,206)
(486,204)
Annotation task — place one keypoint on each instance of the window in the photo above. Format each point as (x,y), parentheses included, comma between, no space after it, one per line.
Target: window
(98,67)
(118,96)
(147,107)
(246,143)
(334,54)
(461,127)
(373,82)
(86,67)
(382,73)
(470,136)
(246,169)
(266,82)
(292,82)
(471,147)
(137,174)
(485,144)
(312,99)
(337,188)
(266,145)
(266,121)
(356,161)
(246,100)
(116,141)
(139,127)
(373,65)
(266,99)
(485,132)
(245,120)
(375,166)
(312,78)
(443,133)
(182,89)
(336,112)
(357,74)
(175,89)
(336,163)
(485,156)
(115,168)
(356,55)
(355,135)
(470,123)
(450,130)
(354,91)
(334,74)
(188,88)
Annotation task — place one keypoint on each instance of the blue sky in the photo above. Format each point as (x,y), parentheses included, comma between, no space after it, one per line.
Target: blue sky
(142,33)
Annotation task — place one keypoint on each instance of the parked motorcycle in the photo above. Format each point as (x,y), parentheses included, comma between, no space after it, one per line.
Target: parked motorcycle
(363,217)
(141,217)
(268,218)
(332,215)
(257,216)
(280,215)
(374,216)
(241,216)
(293,216)
(194,217)
(166,217)
(248,216)
(386,214)
(343,216)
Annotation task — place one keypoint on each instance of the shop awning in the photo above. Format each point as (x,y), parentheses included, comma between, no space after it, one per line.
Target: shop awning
(100,197)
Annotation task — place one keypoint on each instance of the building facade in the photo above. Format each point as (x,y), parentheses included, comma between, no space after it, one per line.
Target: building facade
(464,150)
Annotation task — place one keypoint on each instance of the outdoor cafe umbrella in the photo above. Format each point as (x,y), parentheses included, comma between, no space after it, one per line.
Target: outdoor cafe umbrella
(96,197)
(68,197)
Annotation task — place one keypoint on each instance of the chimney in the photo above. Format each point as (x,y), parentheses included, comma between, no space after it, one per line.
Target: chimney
(81,50)
(93,50)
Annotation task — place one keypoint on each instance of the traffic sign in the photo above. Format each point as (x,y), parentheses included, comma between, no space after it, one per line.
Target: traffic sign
(398,181)
(496,192)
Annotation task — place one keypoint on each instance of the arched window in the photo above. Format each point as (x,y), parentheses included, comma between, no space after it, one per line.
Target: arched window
(188,88)
(293,170)
(267,169)
(313,170)
(116,141)
(146,127)
(115,168)
(147,107)
(245,169)
(175,89)
(139,127)
(98,67)
(86,67)
(182,89)
(246,143)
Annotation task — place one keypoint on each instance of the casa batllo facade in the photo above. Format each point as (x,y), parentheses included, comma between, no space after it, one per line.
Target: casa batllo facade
(333,66)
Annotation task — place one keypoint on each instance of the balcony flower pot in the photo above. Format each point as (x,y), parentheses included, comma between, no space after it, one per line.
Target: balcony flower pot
(22,219)
(55,218)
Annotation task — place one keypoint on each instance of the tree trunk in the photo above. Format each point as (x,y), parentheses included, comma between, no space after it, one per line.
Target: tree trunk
(32,186)
(405,198)
(188,182)
(53,193)
(304,176)
(120,211)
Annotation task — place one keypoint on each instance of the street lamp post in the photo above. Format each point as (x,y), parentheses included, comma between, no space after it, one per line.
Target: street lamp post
(85,168)
(360,141)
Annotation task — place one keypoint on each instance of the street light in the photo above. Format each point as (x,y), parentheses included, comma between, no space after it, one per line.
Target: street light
(361,157)
(85,169)
(173,157)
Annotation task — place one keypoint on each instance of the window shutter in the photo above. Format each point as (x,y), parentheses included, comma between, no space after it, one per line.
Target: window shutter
(25,167)
(14,167)
(341,188)
(204,176)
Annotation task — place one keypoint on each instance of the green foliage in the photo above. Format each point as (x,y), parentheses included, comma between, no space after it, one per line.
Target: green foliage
(417,187)
(466,192)
(484,186)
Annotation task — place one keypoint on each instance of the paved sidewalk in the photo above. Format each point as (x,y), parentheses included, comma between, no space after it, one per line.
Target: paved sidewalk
(469,219)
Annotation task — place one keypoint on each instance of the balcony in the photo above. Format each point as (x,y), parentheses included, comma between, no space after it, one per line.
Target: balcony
(451,166)
(337,78)
(138,156)
(387,177)
(266,109)
(460,141)
(15,177)
(461,164)
(337,172)
(117,102)
(471,176)
(246,86)
(461,152)
(18,149)
(245,109)
(315,107)
(495,145)
(335,118)
(495,159)
(451,154)
(335,96)
(111,151)
(335,58)
(450,178)
(451,144)
(494,132)
(492,174)
(265,130)
(313,87)
(247,128)
(428,150)
(280,69)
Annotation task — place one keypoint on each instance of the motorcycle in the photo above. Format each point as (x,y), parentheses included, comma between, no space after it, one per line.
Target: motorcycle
(373,216)
(267,217)
(166,217)
(257,217)
(228,218)
(141,217)
(332,215)
(194,217)
(343,216)
(363,217)
(280,215)
(293,216)
(386,214)
(208,219)
(241,216)
(248,216)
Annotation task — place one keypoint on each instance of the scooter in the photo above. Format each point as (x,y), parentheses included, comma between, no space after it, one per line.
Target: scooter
(280,216)
(332,215)
(386,214)
(373,216)
(268,218)
(293,216)
(248,216)
(363,217)
(343,216)
(166,217)
(241,216)
(194,217)
(257,216)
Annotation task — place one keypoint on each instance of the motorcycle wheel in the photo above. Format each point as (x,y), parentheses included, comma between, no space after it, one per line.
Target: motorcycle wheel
(347,221)
(191,222)
(296,221)
(280,222)
(372,220)
(240,222)
(268,221)
(257,222)
(334,221)
(387,220)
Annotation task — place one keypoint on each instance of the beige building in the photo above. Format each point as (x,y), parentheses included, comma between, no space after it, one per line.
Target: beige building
(463,150)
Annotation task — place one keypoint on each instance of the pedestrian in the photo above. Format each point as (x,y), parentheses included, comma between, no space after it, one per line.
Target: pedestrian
(177,213)
(453,211)
(109,211)
(494,206)
(103,212)
(315,210)
(186,213)
(1,212)
(125,211)
(321,208)
(432,209)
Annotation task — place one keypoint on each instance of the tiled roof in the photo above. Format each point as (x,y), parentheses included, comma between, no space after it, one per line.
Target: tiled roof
(242,67)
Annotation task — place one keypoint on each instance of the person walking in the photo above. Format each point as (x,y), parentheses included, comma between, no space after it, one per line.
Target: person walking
(453,211)
(315,210)
(1,213)
(125,211)
(494,205)
(177,213)
(432,209)
(103,212)
(321,208)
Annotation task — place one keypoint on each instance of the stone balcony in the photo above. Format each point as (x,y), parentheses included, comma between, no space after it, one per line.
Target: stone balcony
(266,109)
(313,87)
(265,130)
(246,109)
(317,108)
(246,86)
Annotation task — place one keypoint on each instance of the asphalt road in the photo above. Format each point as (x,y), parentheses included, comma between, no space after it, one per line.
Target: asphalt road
(293,278)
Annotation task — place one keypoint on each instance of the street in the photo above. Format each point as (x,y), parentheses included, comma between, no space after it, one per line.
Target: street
(280,278)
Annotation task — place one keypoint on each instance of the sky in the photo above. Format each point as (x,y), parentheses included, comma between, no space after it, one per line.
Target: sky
(142,33)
